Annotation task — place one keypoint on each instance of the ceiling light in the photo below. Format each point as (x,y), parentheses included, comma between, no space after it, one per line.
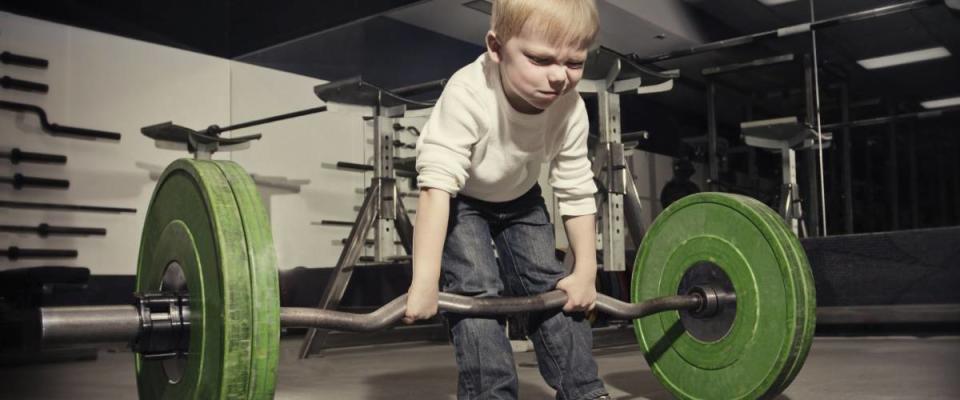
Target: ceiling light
(774,2)
(484,6)
(904,58)
(940,103)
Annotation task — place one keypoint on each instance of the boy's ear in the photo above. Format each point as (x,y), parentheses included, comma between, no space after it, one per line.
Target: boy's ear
(493,46)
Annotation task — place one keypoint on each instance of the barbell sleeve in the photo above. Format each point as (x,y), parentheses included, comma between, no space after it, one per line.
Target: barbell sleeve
(88,324)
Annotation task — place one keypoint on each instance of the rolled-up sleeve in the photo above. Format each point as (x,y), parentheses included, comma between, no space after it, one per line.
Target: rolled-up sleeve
(446,142)
(570,173)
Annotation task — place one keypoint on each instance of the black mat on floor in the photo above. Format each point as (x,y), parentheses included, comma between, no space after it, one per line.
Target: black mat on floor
(901,267)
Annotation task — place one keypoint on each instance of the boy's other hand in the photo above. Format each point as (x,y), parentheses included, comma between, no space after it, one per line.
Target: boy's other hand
(581,293)
(421,304)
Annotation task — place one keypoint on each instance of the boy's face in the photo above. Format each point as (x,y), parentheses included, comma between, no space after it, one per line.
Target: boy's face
(534,71)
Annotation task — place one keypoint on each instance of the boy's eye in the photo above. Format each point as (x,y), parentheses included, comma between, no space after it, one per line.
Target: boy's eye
(575,65)
(539,60)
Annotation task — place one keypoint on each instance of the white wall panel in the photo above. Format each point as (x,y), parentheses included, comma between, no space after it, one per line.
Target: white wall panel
(101,82)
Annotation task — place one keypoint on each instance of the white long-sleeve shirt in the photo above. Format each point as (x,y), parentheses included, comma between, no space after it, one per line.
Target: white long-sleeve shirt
(477,144)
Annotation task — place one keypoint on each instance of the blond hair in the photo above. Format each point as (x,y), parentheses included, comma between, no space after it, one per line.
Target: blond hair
(561,22)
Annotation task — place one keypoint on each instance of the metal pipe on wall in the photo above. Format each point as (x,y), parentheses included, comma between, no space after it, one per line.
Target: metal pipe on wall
(868,183)
(846,143)
(893,179)
(713,163)
(956,189)
(914,178)
(811,169)
(942,198)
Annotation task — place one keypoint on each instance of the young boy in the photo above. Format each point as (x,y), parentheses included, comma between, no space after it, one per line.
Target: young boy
(479,157)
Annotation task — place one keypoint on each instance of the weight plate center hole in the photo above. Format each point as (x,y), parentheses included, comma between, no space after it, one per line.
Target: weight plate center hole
(714,319)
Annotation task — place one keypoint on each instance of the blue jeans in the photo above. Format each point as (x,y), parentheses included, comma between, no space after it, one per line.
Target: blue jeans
(523,237)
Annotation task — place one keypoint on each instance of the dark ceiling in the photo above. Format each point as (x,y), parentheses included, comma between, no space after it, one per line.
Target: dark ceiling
(223,28)
(232,29)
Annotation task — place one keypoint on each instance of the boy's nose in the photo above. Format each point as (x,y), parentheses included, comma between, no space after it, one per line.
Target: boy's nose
(557,78)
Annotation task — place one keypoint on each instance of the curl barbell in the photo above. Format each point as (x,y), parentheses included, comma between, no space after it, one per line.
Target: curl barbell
(144,324)
(722,296)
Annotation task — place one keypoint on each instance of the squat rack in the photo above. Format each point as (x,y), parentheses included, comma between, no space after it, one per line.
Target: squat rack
(608,75)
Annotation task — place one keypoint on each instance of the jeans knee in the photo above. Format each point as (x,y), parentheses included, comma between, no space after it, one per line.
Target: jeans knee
(472,329)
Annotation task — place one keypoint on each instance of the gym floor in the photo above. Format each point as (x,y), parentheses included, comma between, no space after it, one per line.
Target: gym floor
(837,368)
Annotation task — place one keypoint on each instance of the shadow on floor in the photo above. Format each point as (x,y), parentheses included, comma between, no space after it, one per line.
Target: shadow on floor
(643,385)
(638,384)
(441,381)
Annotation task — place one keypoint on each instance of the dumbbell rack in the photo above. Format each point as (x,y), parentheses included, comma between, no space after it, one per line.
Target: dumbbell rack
(382,209)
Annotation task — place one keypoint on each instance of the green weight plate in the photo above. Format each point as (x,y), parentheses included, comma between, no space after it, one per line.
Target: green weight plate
(195,221)
(263,278)
(810,308)
(806,296)
(755,358)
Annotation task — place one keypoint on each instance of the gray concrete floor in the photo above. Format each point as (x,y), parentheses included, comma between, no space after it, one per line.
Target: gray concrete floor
(837,368)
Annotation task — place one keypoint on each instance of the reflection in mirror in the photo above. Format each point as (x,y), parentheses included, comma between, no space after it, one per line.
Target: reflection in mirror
(888,72)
